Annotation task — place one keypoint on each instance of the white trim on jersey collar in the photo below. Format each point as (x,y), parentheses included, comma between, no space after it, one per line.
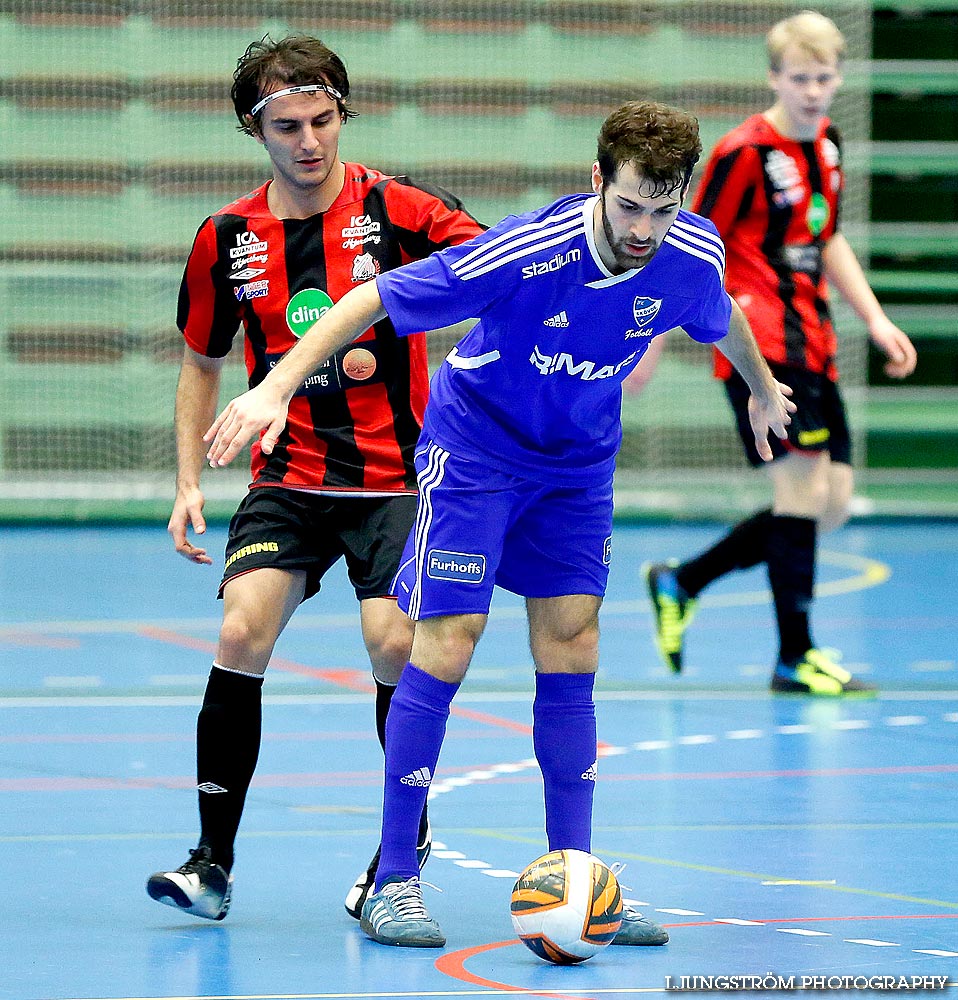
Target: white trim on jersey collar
(306,88)
(588,210)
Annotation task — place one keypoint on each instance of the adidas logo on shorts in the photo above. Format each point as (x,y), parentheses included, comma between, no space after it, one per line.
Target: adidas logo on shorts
(420,778)
(590,775)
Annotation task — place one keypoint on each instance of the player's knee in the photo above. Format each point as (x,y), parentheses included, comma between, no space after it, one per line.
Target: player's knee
(836,514)
(444,645)
(244,643)
(572,640)
(389,653)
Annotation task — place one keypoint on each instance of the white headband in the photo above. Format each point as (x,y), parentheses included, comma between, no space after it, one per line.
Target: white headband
(308,88)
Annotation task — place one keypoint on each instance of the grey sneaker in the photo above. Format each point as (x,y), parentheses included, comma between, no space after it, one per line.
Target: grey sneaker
(397,915)
(363,885)
(198,887)
(637,929)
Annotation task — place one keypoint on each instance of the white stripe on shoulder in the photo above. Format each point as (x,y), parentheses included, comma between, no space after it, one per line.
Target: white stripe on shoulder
(483,267)
(511,233)
(541,239)
(694,240)
(694,252)
(692,230)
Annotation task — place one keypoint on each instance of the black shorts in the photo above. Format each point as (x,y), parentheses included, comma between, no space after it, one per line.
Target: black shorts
(291,529)
(819,424)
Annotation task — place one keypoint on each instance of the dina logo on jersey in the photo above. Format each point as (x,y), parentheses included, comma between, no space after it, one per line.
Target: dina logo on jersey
(304,308)
(460,567)
(644,309)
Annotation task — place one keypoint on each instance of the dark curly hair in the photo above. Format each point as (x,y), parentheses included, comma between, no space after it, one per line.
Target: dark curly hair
(292,61)
(661,141)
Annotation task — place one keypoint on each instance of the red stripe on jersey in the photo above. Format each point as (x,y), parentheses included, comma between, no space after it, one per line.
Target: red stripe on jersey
(197,325)
(375,437)
(775,203)
(347,434)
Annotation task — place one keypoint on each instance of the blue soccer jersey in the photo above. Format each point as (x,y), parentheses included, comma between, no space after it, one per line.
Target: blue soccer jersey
(535,387)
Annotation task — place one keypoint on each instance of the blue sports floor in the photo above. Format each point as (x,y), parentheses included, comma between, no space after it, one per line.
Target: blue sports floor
(771,835)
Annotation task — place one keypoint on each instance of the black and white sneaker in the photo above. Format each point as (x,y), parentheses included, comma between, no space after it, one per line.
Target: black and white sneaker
(366,882)
(198,887)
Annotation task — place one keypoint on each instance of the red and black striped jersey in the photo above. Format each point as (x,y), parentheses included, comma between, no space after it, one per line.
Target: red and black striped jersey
(775,202)
(353,426)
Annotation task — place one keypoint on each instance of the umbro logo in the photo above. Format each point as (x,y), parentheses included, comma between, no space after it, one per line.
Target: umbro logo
(560,319)
(420,778)
(590,775)
(211,788)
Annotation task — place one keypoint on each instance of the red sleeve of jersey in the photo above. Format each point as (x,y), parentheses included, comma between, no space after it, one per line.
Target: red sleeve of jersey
(432,217)
(727,188)
(207,316)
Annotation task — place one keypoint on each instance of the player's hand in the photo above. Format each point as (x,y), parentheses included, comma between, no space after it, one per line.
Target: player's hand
(771,414)
(244,417)
(902,356)
(188,512)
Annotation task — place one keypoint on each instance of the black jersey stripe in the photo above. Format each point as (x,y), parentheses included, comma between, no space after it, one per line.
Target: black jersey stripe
(774,239)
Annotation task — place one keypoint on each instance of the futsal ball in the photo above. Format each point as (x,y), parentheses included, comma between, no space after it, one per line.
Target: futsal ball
(566,907)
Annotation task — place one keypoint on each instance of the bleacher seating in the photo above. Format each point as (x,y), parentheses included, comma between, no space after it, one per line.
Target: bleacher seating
(119,138)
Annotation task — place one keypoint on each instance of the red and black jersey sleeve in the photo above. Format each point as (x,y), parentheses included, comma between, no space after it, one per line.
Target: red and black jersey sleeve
(426,217)
(727,187)
(207,313)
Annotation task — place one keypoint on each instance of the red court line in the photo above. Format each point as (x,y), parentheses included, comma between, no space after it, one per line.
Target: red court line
(453,964)
(335,779)
(353,680)
(36,639)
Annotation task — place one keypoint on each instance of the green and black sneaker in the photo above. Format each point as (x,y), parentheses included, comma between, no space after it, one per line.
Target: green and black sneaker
(672,611)
(817,673)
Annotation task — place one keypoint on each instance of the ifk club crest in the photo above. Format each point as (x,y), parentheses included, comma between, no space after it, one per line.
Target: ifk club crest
(644,309)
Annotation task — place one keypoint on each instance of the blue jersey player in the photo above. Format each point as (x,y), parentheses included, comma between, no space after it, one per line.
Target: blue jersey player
(516,457)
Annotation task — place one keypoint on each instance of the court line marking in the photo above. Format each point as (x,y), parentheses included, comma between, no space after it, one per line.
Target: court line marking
(356,680)
(537,842)
(866,573)
(577,994)
(453,964)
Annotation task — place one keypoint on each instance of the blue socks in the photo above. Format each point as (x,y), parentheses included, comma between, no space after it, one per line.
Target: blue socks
(415,728)
(564,738)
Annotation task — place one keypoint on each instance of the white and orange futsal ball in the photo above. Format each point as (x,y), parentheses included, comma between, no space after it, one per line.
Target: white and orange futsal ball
(566,907)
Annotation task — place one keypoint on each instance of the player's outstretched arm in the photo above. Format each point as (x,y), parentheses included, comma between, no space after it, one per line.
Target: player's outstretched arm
(196,394)
(845,273)
(266,405)
(769,407)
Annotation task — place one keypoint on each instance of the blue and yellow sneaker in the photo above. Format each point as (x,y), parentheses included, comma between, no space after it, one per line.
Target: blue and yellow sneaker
(817,673)
(672,610)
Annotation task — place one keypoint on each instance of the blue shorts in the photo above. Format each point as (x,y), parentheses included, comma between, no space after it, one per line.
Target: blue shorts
(477,528)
